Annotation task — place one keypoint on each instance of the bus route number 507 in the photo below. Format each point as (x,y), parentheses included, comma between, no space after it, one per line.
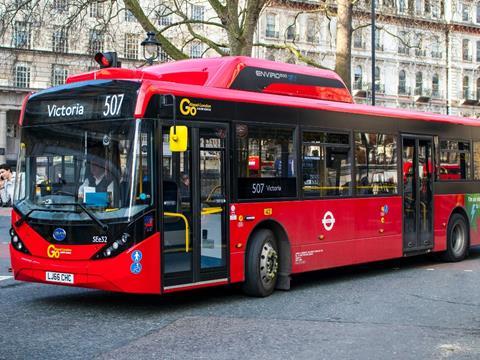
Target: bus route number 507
(257,188)
(113,105)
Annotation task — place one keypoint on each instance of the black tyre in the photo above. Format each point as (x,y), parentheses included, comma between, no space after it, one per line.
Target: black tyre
(261,264)
(457,239)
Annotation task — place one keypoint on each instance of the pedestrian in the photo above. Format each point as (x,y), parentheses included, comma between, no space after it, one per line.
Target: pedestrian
(7,178)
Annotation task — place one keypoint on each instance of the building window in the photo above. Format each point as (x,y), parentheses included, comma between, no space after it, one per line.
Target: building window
(22,35)
(402,43)
(378,86)
(358,78)
(418,7)
(22,76)
(454,160)
(311,30)
(358,39)
(478,51)
(376,164)
(96,10)
(266,164)
(478,13)
(198,12)
(419,45)
(402,82)
(436,53)
(435,9)
(59,75)
(131,46)
(466,50)
(60,5)
(435,86)
(163,56)
(326,164)
(164,15)
(378,42)
(465,12)
(426,7)
(60,40)
(291,29)
(478,89)
(466,87)
(95,43)
(419,83)
(270,30)
(196,50)
(401,6)
(129,16)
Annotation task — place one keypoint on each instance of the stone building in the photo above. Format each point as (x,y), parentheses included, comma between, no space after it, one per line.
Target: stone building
(428,56)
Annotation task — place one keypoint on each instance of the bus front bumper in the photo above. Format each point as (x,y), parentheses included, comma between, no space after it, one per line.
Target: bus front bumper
(118,274)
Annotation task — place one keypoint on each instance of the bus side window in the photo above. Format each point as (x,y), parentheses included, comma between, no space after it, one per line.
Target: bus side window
(326,164)
(454,160)
(376,164)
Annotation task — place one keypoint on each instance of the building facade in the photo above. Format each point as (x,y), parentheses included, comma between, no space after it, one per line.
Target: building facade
(427,51)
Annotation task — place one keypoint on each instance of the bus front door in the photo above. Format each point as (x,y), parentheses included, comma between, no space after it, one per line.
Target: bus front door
(194,197)
(418,170)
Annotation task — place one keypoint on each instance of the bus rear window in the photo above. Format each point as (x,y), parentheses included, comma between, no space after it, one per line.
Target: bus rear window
(266,162)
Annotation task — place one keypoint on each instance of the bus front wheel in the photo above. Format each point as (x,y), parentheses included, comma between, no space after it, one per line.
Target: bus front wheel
(261,265)
(457,239)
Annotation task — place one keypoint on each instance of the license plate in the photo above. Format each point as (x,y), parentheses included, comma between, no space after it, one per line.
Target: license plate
(59,277)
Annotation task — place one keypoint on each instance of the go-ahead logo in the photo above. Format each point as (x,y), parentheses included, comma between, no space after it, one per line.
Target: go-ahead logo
(54,253)
(187,107)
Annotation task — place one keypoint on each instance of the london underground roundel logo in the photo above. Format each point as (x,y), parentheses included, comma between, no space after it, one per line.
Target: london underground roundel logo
(328,221)
(59,234)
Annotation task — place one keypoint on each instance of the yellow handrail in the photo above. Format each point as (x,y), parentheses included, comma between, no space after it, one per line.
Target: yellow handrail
(187,228)
(212,210)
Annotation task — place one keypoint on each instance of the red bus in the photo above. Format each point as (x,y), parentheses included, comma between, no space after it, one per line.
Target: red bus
(281,173)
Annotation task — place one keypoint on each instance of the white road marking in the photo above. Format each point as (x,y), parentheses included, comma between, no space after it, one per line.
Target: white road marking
(468,270)
(430,269)
(5,277)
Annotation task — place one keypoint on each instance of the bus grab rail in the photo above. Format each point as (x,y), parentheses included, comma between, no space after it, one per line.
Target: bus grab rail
(207,211)
(187,227)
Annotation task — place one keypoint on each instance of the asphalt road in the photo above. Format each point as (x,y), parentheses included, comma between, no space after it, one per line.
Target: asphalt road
(413,308)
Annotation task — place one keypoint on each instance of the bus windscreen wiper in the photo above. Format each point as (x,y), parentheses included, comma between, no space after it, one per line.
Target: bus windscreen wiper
(90,214)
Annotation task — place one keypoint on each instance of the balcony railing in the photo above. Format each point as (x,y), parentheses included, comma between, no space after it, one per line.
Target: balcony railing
(467,57)
(271,34)
(420,52)
(404,90)
(403,50)
(436,54)
(468,98)
(358,45)
(379,47)
(422,94)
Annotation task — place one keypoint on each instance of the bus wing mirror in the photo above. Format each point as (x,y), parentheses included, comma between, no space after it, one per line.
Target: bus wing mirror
(178,138)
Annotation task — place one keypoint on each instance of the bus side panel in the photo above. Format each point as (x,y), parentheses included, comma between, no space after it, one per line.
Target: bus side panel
(323,233)
(444,205)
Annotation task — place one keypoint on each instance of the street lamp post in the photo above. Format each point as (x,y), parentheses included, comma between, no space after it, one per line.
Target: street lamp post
(151,48)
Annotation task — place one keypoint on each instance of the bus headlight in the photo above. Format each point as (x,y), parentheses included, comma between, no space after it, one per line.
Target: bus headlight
(113,249)
(17,242)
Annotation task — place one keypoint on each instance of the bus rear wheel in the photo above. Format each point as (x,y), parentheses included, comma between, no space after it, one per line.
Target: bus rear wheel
(457,239)
(261,268)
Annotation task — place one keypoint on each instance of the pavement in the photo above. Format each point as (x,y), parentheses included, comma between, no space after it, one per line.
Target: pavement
(414,308)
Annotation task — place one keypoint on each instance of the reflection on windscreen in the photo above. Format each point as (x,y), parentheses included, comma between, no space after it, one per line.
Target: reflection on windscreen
(103,165)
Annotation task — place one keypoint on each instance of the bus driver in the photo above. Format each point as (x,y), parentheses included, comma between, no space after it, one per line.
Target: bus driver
(98,181)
